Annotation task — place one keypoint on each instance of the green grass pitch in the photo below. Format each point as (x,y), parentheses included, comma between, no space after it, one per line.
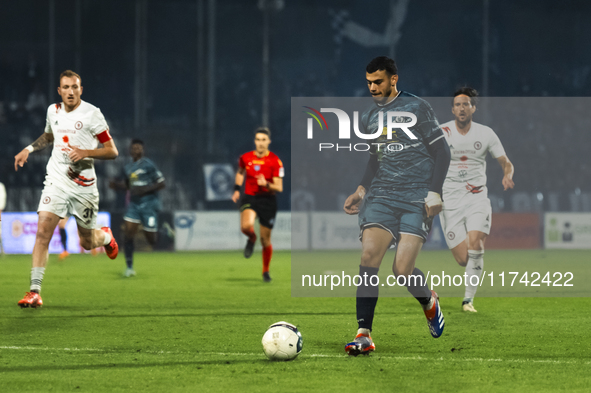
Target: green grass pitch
(193,322)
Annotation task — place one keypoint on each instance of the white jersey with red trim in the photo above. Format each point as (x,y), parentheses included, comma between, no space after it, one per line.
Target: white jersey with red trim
(83,128)
(466,178)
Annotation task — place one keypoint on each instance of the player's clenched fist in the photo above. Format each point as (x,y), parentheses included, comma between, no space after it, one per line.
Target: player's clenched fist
(76,154)
(433,204)
(20,159)
(236,196)
(354,200)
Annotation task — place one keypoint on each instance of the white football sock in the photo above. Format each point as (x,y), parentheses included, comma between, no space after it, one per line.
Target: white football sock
(37,278)
(107,238)
(473,268)
(363,331)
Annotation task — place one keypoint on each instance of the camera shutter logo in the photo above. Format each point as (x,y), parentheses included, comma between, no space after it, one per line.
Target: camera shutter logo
(46,200)
(78,125)
(477,145)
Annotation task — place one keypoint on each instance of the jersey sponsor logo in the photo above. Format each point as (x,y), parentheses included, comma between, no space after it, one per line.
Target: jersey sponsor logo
(463,173)
(65,139)
(477,145)
(260,162)
(463,158)
(46,200)
(78,125)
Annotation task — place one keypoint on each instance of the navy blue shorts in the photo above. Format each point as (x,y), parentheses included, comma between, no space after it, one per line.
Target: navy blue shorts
(395,216)
(145,214)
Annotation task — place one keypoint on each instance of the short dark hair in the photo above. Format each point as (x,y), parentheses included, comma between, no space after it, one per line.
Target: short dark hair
(382,63)
(263,130)
(467,91)
(137,142)
(69,74)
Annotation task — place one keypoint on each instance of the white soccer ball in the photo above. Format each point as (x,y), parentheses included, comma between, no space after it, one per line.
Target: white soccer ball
(282,341)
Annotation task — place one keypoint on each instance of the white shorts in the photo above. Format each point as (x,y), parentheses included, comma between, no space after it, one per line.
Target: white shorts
(83,207)
(457,223)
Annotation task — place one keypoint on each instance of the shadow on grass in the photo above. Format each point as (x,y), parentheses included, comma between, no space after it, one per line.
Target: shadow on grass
(244,279)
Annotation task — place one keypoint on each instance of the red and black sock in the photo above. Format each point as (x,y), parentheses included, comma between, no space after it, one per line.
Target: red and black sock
(267,254)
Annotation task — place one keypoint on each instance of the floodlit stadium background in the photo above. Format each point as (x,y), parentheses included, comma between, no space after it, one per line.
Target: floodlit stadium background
(191,79)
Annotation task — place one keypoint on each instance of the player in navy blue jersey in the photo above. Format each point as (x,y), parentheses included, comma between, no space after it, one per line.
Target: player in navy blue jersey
(143,180)
(398,196)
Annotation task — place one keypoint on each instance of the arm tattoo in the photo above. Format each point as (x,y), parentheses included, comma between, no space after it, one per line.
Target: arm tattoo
(41,142)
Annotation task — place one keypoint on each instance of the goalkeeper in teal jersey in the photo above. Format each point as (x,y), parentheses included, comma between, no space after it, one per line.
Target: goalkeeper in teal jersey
(143,180)
(398,196)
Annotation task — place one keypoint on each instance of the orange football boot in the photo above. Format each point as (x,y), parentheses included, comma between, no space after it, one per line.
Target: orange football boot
(112,249)
(31,299)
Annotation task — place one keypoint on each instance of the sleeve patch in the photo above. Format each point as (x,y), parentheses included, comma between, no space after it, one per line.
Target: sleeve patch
(281,172)
(104,136)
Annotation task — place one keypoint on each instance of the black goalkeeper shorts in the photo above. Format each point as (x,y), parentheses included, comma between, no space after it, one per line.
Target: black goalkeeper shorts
(265,206)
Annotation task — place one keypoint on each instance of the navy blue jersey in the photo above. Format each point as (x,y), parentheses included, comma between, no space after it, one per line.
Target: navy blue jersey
(405,165)
(142,172)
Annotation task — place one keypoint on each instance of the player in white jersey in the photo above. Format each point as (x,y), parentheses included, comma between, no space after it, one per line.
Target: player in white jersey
(466,215)
(75,128)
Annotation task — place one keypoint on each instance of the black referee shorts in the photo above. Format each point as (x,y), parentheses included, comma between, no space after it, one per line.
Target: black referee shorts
(265,206)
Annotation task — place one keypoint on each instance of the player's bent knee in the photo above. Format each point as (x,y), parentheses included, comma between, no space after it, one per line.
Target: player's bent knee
(402,272)
(462,261)
(370,258)
(246,229)
(43,235)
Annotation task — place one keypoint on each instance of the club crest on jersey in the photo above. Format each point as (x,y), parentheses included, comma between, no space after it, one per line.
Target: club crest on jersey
(477,145)
(257,167)
(78,125)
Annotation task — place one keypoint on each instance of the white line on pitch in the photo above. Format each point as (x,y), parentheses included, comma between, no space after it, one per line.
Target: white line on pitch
(313,355)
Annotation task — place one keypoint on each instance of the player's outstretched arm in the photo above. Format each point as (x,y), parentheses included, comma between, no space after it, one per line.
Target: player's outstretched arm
(41,143)
(238,183)
(508,170)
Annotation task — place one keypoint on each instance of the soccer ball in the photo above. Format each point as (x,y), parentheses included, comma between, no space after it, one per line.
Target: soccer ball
(282,341)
